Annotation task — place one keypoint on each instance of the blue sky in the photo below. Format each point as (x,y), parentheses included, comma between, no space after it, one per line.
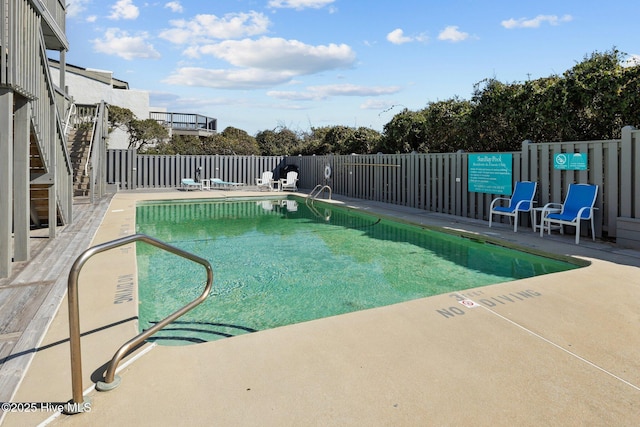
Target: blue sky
(261,64)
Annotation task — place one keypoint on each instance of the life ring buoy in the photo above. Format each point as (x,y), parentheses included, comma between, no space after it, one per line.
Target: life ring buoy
(327,172)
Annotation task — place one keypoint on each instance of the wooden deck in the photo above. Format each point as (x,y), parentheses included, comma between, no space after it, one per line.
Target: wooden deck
(30,297)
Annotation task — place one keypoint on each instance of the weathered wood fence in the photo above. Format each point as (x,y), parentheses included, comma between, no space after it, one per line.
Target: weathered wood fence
(433,182)
(130,170)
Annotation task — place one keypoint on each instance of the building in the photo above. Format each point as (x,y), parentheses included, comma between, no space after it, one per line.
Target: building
(89,87)
(35,169)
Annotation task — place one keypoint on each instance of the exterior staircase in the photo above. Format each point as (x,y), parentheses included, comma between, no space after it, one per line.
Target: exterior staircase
(39,192)
(78,144)
(79,141)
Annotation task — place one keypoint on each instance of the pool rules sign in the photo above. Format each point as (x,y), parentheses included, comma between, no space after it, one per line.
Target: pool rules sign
(490,173)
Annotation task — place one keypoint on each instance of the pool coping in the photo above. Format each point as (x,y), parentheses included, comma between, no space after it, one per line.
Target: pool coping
(310,400)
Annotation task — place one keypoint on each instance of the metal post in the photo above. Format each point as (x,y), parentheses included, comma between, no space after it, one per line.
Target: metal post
(77,400)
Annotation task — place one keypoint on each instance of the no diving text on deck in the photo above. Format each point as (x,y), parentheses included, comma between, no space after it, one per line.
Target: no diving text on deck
(486,301)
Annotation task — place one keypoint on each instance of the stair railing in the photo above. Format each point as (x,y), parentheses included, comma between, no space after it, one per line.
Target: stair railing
(72,110)
(93,132)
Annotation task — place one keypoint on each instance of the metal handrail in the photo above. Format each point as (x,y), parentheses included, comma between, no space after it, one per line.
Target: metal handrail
(72,108)
(93,132)
(309,196)
(312,196)
(77,403)
(317,190)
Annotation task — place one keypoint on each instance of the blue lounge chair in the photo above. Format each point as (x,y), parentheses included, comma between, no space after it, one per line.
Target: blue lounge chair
(578,206)
(225,185)
(520,201)
(190,184)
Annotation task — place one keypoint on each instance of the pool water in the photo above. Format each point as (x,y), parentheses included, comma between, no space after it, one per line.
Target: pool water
(279,262)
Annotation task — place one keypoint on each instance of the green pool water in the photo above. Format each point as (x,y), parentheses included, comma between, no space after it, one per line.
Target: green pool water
(279,262)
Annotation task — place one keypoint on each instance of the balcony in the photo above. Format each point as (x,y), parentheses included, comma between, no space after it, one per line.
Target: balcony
(186,124)
(53,13)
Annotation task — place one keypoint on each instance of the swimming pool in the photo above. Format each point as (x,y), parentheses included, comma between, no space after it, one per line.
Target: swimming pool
(278,261)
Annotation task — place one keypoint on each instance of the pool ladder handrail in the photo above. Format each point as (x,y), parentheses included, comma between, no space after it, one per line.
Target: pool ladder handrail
(111,381)
(313,194)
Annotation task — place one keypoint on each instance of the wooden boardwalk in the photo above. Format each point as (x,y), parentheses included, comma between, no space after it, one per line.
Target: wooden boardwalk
(30,297)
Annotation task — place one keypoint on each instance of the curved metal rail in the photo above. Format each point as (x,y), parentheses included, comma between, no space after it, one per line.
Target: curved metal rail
(313,194)
(111,381)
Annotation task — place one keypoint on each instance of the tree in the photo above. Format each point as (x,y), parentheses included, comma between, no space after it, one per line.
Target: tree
(447,124)
(337,137)
(120,117)
(494,116)
(179,144)
(592,100)
(363,140)
(232,141)
(406,132)
(314,142)
(593,90)
(281,141)
(142,133)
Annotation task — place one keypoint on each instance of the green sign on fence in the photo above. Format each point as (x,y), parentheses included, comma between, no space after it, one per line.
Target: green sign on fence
(570,161)
(490,173)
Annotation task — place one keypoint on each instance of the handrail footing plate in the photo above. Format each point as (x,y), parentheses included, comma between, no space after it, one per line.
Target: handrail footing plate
(105,386)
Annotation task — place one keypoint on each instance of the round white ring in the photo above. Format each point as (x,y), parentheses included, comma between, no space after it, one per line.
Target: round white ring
(327,172)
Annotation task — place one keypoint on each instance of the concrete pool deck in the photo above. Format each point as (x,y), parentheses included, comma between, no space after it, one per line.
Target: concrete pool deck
(559,349)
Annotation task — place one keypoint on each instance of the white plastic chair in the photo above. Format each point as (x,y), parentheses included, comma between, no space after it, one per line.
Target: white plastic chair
(266,181)
(290,182)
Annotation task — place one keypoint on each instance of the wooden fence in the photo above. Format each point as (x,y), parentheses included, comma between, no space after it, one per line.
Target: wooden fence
(130,170)
(432,182)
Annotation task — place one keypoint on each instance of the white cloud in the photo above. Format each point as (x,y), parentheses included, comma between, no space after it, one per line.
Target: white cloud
(172,101)
(262,63)
(255,63)
(124,9)
(175,6)
(92,18)
(631,61)
(355,90)
(120,43)
(248,78)
(281,55)
(535,22)
(397,37)
(315,93)
(376,104)
(452,34)
(299,4)
(76,7)
(208,27)
(295,96)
